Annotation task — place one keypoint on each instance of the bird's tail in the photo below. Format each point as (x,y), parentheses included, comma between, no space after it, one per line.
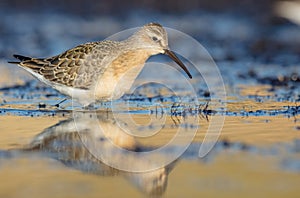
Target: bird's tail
(28,62)
(21,58)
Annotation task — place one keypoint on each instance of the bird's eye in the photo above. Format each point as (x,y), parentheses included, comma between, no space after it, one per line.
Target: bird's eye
(154,38)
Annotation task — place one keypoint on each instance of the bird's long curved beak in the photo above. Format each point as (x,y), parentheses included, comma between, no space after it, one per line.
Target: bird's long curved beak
(178,61)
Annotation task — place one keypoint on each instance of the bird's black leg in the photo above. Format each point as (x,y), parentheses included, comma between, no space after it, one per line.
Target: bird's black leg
(57,105)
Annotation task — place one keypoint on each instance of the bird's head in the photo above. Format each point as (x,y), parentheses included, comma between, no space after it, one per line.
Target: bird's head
(153,38)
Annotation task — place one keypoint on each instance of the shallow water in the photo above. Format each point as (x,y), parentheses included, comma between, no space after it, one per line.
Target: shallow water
(255,154)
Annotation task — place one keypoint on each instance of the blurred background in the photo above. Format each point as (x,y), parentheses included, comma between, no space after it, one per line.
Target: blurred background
(231,30)
(246,38)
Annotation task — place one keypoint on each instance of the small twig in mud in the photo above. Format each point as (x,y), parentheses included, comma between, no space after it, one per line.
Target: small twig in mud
(294,110)
(157,112)
(176,120)
(174,114)
(180,110)
(206,106)
(203,116)
(203,112)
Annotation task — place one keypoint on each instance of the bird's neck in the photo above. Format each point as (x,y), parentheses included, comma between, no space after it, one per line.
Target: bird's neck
(120,75)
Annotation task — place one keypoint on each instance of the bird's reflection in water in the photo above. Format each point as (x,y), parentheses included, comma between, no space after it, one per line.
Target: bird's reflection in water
(71,142)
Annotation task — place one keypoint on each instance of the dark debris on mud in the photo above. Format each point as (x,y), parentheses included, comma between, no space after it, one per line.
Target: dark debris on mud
(34,113)
(291,81)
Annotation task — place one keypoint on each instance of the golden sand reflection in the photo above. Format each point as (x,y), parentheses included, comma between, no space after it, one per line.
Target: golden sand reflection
(61,144)
(80,144)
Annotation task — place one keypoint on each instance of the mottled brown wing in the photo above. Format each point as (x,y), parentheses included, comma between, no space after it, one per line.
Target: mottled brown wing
(77,67)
